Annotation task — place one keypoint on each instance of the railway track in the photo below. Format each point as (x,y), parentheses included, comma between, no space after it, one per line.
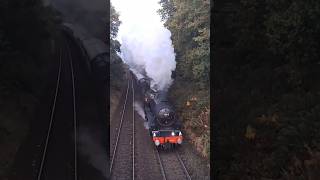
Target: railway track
(124,148)
(171,165)
(50,149)
(75,130)
(51,120)
(122,164)
(133,131)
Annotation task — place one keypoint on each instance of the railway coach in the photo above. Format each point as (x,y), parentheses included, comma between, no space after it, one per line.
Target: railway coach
(94,49)
(96,60)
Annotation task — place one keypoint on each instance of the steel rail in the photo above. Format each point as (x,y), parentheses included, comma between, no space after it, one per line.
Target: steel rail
(119,130)
(132,129)
(74,116)
(51,119)
(161,164)
(180,161)
(183,166)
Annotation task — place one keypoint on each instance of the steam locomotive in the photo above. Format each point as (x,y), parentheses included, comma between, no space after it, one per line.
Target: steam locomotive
(164,125)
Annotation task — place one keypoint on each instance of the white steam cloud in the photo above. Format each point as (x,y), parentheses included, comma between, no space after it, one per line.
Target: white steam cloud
(138,108)
(145,43)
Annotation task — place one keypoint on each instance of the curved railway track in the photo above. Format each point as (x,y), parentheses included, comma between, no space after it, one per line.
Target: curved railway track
(67,134)
(43,169)
(74,116)
(51,120)
(124,148)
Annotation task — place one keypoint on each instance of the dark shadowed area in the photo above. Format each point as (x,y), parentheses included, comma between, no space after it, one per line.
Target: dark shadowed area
(30,47)
(92,15)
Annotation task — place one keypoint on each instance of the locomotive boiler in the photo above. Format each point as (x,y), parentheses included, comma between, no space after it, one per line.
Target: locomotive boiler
(161,109)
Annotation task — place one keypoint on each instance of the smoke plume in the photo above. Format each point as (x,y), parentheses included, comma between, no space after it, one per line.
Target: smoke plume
(145,43)
(91,148)
(138,108)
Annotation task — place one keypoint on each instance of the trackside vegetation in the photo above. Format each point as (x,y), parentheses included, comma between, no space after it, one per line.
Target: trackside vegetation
(267,86)
(189,24)
(117,72)
(27,29)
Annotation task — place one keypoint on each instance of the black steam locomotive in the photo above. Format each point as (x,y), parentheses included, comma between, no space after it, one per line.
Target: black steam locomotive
(164,125)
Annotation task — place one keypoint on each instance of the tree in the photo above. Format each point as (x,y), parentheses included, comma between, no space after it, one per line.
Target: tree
(266,78)
(116,65)
(189,24)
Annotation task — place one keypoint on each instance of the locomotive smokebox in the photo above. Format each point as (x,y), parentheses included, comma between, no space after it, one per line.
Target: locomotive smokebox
(161,108)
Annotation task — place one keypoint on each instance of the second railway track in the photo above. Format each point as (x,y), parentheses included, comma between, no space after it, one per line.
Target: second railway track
(122,159)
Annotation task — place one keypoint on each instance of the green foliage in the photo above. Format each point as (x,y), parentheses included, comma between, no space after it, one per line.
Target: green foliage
(116,65)
(114,21)
(167,9)
(26,31)
(267,84)
(189,24)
